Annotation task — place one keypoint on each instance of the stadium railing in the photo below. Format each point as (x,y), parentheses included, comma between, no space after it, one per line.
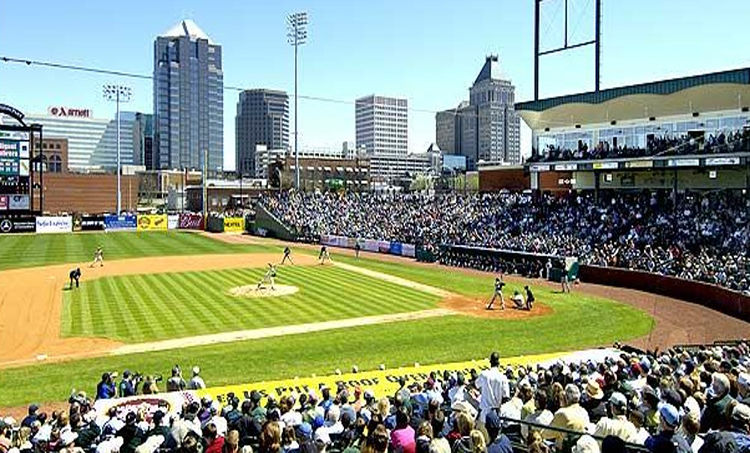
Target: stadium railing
(725,300)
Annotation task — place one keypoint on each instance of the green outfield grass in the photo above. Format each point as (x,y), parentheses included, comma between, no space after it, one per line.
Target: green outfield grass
(577,322)
(42,249)
(138,308)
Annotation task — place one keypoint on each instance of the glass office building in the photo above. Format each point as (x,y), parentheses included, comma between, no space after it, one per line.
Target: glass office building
(262,119)
(188,99)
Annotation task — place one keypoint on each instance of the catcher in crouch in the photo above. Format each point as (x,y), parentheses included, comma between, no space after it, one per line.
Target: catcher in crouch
(268,278)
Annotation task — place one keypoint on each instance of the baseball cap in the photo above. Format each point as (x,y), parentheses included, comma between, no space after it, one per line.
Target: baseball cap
(741,413)
(33,408)
(669,415)
(304,430)
(492,420)
(618,400)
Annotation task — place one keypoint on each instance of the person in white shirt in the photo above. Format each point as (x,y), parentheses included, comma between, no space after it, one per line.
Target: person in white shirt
(458,392)
(493,387)
(196,382)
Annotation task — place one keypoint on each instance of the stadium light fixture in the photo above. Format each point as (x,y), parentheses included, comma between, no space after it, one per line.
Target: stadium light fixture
(296,24)
(117,93)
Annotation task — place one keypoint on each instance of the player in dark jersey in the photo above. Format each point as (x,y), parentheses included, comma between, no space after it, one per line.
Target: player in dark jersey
(323,255)
(287,255)
(529,298)
(498,293)
(75,275)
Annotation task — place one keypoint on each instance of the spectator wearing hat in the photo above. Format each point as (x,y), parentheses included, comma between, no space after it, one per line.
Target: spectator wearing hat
(736,439)
(667,439)
(593,401)
(31,417)
(616,423)
(126,387)
(718,397)
(743,388)
(158,429)
(572,416)
(132,435)
(196,382)
(497,441)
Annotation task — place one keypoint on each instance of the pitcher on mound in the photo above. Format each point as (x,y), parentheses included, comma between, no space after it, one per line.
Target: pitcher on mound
(268,278)
(98,257)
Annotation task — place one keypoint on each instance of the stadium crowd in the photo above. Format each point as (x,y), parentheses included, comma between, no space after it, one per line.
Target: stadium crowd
(704,237)
(680,400)
(734,141)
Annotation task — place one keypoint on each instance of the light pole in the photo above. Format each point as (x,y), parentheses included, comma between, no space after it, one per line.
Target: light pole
(117,93)
(296,24)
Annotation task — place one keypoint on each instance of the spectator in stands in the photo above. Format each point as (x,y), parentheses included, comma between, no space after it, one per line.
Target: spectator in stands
(498,442)
(667,440)
(196,382)
(493,387)
(616,423)
(715,413)
(572,416)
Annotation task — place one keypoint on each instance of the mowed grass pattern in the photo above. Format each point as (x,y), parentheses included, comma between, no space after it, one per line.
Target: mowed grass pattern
(140,308)
(41,249)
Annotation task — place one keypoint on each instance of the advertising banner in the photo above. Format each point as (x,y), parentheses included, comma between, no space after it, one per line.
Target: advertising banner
(384,246)
(639,164)
(566,167)
(18,225)
(20,202)
(152,222)
(173,222)
(58,224)
(370,245)
(92,222)
(396,248)
(683,162)
(408,250)
(188,221)
(3,202)
(171,403)
(122,222)
(385,383)
(539,167)
(234,224)
(605,165)
(723,161)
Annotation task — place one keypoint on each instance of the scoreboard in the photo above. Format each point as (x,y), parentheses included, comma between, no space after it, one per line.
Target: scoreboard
(14,171)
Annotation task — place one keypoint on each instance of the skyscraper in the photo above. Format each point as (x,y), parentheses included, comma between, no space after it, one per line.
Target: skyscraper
(488,128)
(188,99)
(262,119)
(382,124)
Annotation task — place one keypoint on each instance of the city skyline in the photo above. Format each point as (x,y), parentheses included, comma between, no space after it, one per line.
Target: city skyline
(426,55)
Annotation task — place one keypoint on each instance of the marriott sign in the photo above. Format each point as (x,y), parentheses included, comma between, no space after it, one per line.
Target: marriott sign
(69,112)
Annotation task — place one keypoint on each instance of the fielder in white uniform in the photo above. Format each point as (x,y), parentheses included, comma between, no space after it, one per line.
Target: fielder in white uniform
(98,257)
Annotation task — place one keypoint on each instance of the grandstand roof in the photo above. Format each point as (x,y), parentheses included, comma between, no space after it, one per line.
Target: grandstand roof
(724,90)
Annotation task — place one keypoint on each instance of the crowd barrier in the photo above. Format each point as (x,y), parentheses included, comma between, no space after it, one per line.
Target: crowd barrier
(370,245)
(381,382)
(730,302)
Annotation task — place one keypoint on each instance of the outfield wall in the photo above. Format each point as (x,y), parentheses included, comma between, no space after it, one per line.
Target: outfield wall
(732,303)
(370,245)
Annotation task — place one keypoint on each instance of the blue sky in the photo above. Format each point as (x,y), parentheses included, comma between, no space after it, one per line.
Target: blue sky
(427,51)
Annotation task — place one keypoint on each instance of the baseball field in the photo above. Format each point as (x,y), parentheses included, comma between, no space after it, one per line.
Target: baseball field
(166,298)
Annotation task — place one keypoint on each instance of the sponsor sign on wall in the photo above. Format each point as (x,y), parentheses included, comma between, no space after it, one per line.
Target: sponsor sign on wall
(58,224)
(409,250)
(188,221)
(539,167)
(18,225)
(396,248)
(173,221)
(152,222)
(639,164)
(20,202)
(566,167)
(122,222)
(3,202)
(683,162)
(92,222)
(605,165)
(234,224)
(722,161)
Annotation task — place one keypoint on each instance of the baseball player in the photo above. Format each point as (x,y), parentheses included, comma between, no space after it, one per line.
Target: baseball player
(498,293)
(287,255)
(529,298)
(75,274)
(357,248)
(324,255)
(98,257)
(268,278)
(565,282)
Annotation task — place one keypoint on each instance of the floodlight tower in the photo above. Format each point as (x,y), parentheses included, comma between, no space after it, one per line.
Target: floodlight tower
(117,93)
(296,24)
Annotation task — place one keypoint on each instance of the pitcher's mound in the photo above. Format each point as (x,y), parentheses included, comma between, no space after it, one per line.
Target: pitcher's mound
(252,291)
